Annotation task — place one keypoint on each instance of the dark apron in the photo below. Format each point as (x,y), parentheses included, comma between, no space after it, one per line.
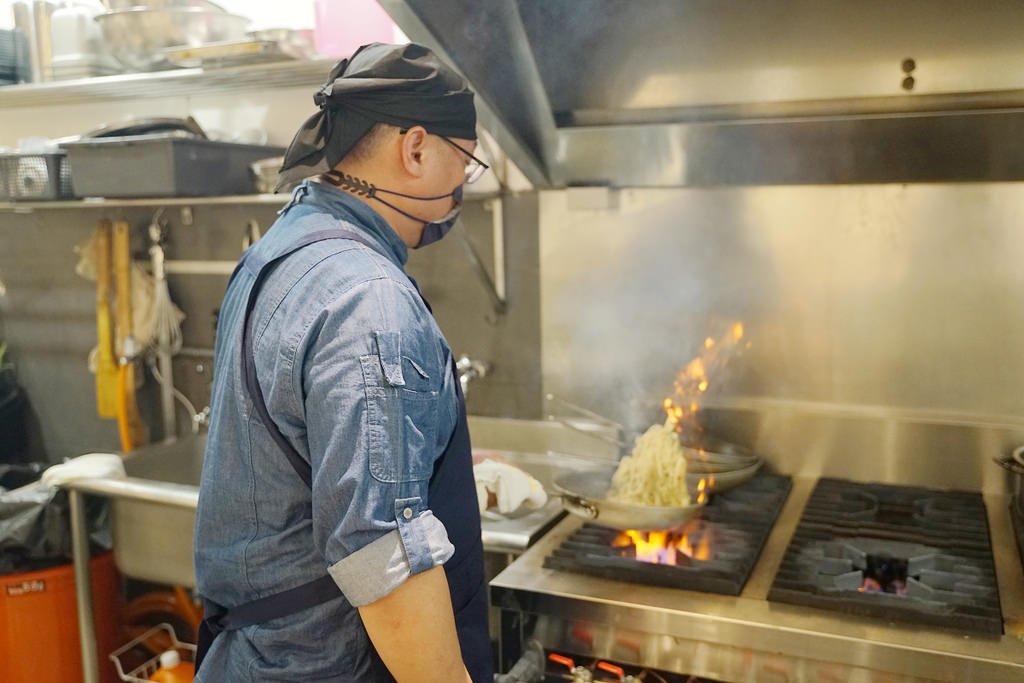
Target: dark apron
(452,494)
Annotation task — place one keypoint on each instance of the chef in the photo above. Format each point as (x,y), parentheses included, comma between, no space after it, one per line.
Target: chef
(338,534)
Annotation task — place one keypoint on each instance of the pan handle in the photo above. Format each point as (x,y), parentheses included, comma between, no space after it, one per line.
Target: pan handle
(580,506)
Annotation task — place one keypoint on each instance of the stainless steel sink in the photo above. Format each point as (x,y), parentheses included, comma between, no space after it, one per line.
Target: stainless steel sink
(154,510)
(154,507)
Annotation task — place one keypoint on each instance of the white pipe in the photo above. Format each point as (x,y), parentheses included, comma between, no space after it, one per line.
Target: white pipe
(498,235)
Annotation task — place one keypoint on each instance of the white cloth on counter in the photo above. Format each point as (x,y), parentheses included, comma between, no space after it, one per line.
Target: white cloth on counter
(88,466)
(510,485)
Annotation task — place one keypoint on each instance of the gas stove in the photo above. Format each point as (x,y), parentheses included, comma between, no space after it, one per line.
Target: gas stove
(714,553)
(893,552)
(602,614)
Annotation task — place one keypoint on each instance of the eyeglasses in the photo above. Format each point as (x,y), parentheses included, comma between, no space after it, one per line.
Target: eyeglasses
(474,167)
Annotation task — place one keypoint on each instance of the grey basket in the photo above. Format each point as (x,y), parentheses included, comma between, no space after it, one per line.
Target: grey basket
(162,165)
(34,176)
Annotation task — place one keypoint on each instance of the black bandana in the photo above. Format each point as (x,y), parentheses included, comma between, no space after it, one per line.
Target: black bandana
(402,85)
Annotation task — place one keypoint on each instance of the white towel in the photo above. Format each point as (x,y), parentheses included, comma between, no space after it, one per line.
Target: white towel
(510,485)
(88,466)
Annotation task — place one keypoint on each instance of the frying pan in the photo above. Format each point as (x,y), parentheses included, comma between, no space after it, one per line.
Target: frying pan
(584,493)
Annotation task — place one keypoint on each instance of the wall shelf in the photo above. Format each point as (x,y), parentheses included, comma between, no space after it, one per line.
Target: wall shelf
(237,200)
(173,83)
(100,203)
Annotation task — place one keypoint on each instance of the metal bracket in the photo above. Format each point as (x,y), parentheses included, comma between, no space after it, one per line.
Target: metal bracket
(496,287)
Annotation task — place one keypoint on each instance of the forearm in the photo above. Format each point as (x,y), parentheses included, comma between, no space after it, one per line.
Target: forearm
(413,630)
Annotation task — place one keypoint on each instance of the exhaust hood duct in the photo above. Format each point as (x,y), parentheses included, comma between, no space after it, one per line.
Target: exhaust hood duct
(703,93)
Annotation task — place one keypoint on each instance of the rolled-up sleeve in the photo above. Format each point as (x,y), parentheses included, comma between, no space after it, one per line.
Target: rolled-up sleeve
(372,572)
(377,420)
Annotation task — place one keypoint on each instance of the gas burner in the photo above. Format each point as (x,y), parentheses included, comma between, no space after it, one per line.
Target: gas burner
(920,556)
(714,553)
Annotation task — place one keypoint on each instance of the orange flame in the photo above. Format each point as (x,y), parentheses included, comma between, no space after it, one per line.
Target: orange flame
(702,551)
(665,547)
(681,408)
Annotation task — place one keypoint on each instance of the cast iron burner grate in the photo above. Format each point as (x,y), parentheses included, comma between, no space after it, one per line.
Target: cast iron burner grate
(731,529)
(893,552)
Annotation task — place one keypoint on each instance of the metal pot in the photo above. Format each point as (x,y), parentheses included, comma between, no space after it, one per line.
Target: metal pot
(265,173)
(295,43)
(136,36)
(1014,464)
(161,4)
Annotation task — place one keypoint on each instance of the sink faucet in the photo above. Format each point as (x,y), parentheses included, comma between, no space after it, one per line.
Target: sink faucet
(470,369)
(201,419)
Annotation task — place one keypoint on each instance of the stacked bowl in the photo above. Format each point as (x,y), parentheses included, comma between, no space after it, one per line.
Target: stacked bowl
(720,464)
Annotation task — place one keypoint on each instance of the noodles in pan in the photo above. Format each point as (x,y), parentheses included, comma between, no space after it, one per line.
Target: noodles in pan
(655,474)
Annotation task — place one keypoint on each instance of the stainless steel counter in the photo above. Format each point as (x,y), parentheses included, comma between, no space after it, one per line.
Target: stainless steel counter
(517,532)
(747,638)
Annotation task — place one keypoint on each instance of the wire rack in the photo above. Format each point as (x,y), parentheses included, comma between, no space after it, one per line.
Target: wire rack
(142,672)
(34,176)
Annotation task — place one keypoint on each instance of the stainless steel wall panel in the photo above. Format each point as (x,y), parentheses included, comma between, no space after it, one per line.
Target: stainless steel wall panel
(613,55)
(981,146)
(872,306)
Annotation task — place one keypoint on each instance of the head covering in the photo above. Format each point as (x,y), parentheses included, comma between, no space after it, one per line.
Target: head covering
(402,85)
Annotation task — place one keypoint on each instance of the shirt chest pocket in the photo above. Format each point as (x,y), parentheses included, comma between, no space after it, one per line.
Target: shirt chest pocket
(402,412)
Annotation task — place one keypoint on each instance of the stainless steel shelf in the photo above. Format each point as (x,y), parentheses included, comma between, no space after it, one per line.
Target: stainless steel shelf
(100,203)
(177,82)
(239,199)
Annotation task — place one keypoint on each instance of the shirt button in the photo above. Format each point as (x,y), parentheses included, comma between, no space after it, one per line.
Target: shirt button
(407,513)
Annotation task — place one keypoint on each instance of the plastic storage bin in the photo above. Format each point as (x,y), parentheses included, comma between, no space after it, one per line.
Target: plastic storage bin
(162,166)
(39,623)
(34,176)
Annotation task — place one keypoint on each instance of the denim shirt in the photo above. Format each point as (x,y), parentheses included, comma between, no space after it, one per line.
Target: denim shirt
(357,376)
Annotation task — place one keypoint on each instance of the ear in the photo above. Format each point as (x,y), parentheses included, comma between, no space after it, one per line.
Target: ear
(413,151)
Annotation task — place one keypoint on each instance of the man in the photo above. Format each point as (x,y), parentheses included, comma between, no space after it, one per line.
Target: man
(338,535)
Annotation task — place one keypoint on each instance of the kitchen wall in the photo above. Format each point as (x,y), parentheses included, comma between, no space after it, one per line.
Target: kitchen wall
(885,321)
(47,316)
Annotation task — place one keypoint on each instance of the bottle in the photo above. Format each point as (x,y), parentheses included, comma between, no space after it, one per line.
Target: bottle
(173,670)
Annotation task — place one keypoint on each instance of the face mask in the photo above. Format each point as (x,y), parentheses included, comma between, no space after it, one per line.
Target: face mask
(432,230)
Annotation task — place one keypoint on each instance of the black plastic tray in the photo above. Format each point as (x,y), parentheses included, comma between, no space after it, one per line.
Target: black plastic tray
(162,166)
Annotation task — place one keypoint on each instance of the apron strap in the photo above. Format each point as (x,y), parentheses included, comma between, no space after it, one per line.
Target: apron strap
(318,591)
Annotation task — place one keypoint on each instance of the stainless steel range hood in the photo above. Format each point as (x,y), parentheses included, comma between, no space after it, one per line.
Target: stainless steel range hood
(696,92)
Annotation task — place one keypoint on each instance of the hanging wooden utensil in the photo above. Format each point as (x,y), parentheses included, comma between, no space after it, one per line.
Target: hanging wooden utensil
(106,368)
(132,429)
